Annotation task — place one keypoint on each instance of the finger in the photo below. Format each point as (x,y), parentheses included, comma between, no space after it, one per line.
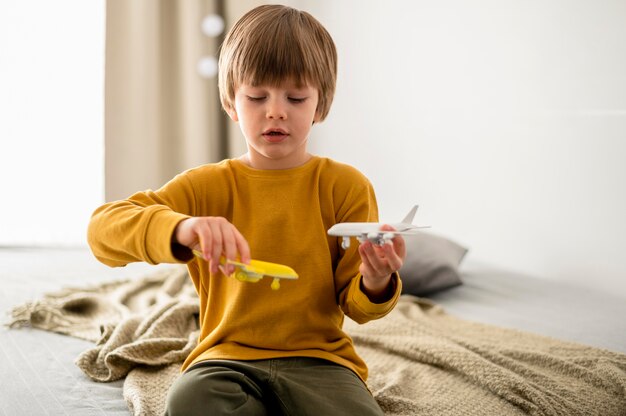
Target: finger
(394,261)
(216,249)
(229,243)
(242,246)
(399,246)
(366,266)
(204,238)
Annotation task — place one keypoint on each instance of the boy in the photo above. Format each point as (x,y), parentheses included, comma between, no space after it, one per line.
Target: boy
(262,351)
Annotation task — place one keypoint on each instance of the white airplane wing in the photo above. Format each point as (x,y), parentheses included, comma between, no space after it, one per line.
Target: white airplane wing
(389,234)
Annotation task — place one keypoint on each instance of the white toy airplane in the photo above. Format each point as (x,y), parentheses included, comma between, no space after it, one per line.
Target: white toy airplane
(371,230)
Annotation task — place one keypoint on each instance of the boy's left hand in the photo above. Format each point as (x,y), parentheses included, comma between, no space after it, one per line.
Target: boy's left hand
(378,263)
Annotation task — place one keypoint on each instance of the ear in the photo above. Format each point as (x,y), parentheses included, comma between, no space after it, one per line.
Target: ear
(317,118)
(232,113)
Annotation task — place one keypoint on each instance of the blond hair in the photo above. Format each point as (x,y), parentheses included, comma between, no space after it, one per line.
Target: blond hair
(271,44)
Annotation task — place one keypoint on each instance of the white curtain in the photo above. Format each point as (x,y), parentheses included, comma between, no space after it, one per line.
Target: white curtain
(161,114)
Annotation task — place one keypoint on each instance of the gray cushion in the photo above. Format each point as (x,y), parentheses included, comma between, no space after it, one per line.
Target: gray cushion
(431,264)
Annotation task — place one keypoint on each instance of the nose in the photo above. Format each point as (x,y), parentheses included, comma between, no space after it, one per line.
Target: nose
(276,110)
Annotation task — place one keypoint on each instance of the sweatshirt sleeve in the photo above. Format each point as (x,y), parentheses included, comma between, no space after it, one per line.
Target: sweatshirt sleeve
(141,227)
(360,308)
(358,203)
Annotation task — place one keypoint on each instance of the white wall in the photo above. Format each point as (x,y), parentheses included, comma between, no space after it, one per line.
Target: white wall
(51,120)
(504,120)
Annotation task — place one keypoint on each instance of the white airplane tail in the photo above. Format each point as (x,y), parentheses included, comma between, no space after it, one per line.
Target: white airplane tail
(409,217)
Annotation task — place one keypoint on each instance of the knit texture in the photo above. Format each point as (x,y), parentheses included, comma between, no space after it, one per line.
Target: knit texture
(422,361)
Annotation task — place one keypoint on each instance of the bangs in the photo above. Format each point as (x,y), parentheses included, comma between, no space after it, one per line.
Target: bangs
(273,67)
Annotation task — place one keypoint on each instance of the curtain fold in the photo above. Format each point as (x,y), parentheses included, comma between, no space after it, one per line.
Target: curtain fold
(161,115)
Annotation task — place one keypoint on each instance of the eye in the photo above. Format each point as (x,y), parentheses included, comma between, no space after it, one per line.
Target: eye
(297,100)
(255,99)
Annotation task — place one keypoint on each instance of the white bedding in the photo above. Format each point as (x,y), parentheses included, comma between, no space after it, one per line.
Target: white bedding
(39,376)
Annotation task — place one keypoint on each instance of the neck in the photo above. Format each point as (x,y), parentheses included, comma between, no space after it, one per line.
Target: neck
(266,164)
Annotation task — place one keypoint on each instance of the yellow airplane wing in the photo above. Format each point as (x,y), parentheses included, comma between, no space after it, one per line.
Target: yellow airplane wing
(257,269)
(268,269)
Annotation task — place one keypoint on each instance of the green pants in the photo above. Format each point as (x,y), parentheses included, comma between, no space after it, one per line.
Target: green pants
(286,386)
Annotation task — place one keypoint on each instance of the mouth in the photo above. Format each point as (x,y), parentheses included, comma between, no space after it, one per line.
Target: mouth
(275,135)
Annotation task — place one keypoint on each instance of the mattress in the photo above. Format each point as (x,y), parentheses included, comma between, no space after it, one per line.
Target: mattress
(38,372)
(552,308)
(39,375)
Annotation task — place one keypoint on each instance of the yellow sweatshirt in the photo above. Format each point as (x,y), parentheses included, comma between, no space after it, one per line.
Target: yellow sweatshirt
(284,215)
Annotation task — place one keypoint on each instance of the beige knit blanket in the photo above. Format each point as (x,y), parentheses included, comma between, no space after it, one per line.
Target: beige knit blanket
(421,360)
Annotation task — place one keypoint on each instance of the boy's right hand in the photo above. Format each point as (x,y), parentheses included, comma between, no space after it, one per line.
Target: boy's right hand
(213,237)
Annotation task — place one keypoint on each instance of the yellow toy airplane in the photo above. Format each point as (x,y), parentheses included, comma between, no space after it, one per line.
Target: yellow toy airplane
(256,270)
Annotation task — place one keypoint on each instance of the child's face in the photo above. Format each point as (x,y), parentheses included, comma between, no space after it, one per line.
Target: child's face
(276,122)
